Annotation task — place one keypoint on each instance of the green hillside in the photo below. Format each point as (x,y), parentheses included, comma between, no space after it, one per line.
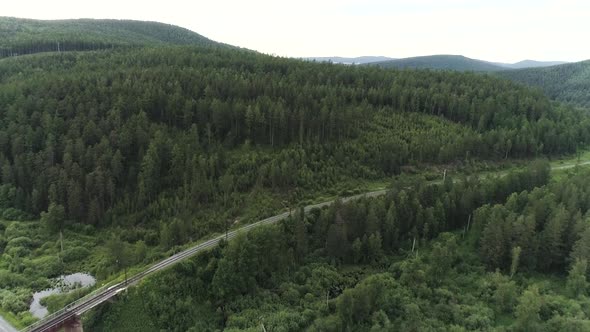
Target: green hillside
(165,121)
(131,152)
(441,62)
(25,36)
(569,83)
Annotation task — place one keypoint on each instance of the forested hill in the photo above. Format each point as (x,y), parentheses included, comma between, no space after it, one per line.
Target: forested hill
(174,128)
(26,36)
(530,64)
(441,62)
(568,83)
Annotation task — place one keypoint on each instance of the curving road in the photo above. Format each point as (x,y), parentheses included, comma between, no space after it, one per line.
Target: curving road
(567,166)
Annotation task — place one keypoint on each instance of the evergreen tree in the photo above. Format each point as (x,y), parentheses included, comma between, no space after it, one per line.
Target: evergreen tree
(527,310)
(576,280)
(54,218)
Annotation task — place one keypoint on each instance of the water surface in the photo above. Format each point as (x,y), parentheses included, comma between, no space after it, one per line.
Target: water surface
(63,284)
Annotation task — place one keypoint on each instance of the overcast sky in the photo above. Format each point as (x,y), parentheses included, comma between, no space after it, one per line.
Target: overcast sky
(495,30)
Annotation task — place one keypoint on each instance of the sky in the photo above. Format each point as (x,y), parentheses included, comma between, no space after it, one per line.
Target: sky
(493,30)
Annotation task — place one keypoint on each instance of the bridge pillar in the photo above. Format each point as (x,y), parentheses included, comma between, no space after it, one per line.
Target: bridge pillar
(74,325)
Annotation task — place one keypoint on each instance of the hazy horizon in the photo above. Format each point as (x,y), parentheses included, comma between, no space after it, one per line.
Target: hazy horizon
(495,31)
(426,55)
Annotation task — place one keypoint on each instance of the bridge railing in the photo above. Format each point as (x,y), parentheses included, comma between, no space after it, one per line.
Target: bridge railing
(167,261)
(140,275)
(66,308)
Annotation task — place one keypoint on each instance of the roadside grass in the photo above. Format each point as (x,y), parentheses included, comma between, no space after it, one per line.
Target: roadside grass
(12,319)
(571,160)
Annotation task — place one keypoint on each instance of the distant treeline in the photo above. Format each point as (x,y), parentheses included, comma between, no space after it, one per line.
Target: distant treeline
(57,46)
(24,36)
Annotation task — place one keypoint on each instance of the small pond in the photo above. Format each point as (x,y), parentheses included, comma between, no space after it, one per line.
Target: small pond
(62,284)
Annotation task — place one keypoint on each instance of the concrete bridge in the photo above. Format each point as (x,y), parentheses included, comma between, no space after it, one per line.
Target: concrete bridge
(68,318)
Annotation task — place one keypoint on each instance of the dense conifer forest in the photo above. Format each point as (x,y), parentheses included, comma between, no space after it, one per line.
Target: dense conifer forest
(181,127)
(457,256)
(122,141)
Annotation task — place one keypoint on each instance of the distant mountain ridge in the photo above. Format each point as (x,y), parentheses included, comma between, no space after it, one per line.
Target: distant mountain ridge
(350,61)
(530,64)
(437,62)
(441,62)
